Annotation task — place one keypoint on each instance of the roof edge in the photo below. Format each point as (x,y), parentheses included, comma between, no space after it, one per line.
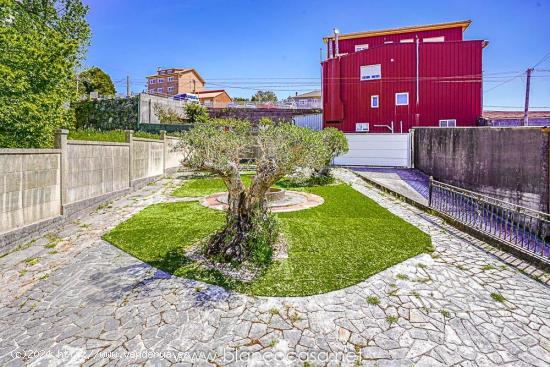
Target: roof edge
(418,28)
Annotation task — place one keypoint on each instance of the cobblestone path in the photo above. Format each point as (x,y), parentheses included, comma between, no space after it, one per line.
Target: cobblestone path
(73,299)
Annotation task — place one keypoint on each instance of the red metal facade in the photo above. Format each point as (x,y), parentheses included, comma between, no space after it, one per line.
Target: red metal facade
(449,83)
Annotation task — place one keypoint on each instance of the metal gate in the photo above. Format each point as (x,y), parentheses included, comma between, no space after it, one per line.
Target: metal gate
(378,150)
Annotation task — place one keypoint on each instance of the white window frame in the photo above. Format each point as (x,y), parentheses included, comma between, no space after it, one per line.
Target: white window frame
(401,94)
(160,80)
(407,40)
(364,74)
(387,42)
(170,79)
(362,47)
(152,81)
(377,98)
(159,90)
(152,90)
(362,127)
(170,89)
(445,123)
(434,39)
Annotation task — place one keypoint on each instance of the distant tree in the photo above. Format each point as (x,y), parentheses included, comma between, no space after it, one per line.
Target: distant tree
(240,99)
(41,44)
(96,80)
(168,115)
(264,96)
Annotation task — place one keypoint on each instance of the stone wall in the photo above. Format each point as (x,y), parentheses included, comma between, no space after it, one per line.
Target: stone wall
(510,164)
(29,186)
(40,188)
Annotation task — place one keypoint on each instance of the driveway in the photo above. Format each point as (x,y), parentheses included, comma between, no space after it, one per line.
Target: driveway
(85,302)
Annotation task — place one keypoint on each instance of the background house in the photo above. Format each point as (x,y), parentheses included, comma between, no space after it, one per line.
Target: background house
(218,98)
(514,118)
(174,81)
(308,100)
(413,76)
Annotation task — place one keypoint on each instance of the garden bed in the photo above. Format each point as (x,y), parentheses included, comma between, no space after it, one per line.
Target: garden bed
(335,245)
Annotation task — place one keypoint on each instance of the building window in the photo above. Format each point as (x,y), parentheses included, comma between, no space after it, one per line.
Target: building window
(374,101)
(160,80)
(170,79)
(387,42)
(434,39)
(371,72)
(159,90)
(170,89)
(152,81)
(362,127)
(151,91)
(407,40)
(447,123)
(361,47)
(402,99)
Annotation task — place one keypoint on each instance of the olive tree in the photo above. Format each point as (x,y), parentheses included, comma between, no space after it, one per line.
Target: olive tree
(335,144)
(219,146)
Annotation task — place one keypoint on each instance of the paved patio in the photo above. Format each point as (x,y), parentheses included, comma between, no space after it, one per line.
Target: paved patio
(84,302)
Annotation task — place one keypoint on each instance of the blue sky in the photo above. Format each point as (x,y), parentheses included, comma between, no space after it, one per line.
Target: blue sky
(230,41)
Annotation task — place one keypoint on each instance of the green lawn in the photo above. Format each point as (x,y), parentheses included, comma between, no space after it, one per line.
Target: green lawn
(332,246)
(205,186)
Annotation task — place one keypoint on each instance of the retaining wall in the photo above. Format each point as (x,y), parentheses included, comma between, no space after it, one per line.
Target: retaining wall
(40,188)
(507,163)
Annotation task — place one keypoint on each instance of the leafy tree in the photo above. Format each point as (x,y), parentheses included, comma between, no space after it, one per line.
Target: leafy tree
(96,80)
(41,44)
(264,96)
(335,144)
(218,146)
(240,99)
(196,113)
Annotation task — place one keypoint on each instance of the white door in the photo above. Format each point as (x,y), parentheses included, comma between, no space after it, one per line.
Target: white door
(379,150)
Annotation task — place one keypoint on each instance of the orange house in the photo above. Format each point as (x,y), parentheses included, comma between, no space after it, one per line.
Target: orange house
(214,98)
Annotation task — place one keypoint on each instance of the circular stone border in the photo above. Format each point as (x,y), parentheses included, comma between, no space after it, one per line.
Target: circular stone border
(310,201)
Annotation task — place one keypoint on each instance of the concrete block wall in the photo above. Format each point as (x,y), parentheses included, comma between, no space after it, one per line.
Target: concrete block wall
(147,158)
(30,186)
(40,188)
(95,169)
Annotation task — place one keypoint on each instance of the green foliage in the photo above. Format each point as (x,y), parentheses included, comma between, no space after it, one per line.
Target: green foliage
(41,44)
(168,115)
(262,238)
(369,239)
(240,99)
(205,186)
(112,135)
(498,297)
(264,96)
(196,113)
(96,80)
(108,114)
(373,300)
(335,143)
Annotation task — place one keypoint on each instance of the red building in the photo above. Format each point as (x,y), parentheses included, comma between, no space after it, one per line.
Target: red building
(406,77)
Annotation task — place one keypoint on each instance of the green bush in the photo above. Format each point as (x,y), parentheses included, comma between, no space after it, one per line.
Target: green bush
(112,135)
(196,113)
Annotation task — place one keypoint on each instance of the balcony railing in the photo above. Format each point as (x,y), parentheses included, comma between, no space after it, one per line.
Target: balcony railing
(524,229)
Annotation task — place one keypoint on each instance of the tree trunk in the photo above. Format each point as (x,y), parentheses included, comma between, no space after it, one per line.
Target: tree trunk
(231,242)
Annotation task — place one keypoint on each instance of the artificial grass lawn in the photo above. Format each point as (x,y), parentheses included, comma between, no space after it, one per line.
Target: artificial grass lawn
(332,246)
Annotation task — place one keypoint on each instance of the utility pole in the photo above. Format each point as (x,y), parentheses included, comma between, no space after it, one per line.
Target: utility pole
(527,89)
(128,92)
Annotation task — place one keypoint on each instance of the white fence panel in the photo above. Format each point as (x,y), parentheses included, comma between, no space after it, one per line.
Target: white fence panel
(311,121)
(381,150)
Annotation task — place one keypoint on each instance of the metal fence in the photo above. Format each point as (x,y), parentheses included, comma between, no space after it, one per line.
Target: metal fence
(311,121)
(522,228)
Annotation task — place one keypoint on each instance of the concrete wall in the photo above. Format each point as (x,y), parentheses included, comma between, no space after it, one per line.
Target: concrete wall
(40,188)
(95,169)
(29,186)
(147,158)
(506,163)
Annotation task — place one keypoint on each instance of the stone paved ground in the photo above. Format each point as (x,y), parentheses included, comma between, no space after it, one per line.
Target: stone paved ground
(91,304)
